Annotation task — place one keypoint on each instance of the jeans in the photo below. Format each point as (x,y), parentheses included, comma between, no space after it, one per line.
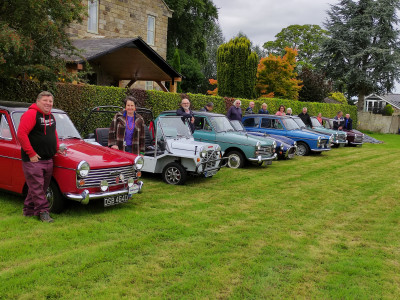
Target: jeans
(128,148)
(37,176)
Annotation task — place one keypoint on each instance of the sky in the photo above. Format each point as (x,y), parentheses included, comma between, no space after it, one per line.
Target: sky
(261,20)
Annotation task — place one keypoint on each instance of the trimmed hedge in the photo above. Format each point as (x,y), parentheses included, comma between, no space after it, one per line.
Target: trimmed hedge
(78,100)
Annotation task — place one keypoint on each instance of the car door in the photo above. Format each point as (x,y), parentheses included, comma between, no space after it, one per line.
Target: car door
(204,132)
(11,175)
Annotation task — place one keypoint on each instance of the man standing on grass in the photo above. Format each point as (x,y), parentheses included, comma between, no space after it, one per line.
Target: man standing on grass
(250,109)
(305,117)
(39,143)
(338,121)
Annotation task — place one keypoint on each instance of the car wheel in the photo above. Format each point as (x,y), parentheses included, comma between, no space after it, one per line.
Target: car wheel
(302,149)
(56,199)
(174,173)
(235,160)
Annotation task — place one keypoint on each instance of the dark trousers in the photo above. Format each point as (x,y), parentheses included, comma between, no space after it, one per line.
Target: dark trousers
(128,148)
(37,176)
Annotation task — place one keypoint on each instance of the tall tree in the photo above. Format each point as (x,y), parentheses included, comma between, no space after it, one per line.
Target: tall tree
(276,76)
(236,69)
(306,39)
(32,37)
(191,21)
(364,48)
(176,64)
(315,85)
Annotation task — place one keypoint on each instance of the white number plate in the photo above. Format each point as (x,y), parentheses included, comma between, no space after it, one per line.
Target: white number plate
(210,173)
(109,201)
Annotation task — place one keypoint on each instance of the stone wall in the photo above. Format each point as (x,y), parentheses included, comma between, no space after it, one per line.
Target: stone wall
(128,18)
(378,123)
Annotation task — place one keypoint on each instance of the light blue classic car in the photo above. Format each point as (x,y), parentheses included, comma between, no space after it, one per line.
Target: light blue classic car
(286,126)
(239,148)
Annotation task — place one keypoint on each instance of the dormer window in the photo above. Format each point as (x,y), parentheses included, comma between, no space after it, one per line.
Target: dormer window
(93,12)
(151,28)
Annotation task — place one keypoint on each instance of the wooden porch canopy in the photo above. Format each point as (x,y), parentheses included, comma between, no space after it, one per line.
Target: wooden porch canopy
(125,59)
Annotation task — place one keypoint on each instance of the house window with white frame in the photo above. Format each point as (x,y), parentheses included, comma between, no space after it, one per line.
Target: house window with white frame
(149,85)
(151,30)
(93,13)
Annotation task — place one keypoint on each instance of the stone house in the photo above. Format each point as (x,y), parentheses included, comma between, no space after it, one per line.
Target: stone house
(125,42)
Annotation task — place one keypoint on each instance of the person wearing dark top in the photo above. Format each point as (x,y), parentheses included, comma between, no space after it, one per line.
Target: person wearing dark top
(38,137)
(348,123)
(305,117)
(250,109)
(264,109)
(338,121)
(235,112)
(208,108)
(186,114)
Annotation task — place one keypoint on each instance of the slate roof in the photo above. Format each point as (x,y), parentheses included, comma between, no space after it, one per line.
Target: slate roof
(392,99)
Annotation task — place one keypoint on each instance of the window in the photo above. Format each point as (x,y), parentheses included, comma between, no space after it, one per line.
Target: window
(5,132)
(149,85)
(201,123)
(251,122)
(93,12)
(151,28)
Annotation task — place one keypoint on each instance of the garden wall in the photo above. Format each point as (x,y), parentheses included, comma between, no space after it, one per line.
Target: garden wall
(378,123)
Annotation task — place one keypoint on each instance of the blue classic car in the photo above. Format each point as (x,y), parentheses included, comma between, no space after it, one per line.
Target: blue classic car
(286,126)
(285,148)
(239,148)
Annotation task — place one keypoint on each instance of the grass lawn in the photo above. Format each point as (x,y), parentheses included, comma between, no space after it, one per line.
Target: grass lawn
(322,226)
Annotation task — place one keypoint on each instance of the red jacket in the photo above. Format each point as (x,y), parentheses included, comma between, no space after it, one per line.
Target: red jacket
(37,134)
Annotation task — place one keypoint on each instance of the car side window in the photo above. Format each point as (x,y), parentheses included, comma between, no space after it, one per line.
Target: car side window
(5,132)
(326,124)
(251,122)
(278,124)
(266,123)
(201,123)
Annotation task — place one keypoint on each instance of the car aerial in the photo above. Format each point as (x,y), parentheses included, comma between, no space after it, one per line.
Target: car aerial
(238,148)
(83,172)
(172,150)
(354,137)
(338,137)
(285,148)
(286,126)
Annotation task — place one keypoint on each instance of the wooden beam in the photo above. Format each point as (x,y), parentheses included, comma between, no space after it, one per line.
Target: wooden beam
(173,87)
(162,86)
(130,83)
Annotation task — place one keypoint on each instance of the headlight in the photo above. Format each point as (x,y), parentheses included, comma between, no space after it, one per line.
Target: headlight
(139,162)
(319,142)
(258,145)
(274,144)
(203,153)
(83,169)
(295,144)
(281,146)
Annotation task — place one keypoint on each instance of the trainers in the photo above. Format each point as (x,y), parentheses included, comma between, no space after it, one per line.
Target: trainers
(45,217)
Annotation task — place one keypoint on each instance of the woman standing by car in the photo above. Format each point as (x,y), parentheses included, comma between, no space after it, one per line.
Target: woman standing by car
(127,129)
(281,111)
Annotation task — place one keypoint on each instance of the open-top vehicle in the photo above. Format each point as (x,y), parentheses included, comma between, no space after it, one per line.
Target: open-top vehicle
(285,148)
(238,148)
(171,149)
(286,126)
(84,172)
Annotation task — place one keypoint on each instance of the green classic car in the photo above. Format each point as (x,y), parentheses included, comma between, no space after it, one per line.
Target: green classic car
(339,137)
(239,148)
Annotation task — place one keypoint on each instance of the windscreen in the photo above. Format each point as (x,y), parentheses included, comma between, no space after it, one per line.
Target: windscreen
(172,127)
(290,124)
(315,123)
(221,124)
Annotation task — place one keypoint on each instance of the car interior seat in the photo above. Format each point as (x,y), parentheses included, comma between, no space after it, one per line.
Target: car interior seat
(101,136)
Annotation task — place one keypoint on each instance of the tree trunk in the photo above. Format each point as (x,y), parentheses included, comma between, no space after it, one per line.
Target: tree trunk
(360,103)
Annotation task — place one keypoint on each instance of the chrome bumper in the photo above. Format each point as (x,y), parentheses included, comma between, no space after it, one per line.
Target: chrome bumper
(260,158)
(86,196)
(321,150)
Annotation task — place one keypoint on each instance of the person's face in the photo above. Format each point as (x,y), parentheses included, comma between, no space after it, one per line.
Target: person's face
(282,109)
(45,104)
(264,107)
(130,107)
(289,111)
(304,110)
(319,115)
(237,104)
(340,114)
(347,116)
(209,108)
(251,104)
(185,104)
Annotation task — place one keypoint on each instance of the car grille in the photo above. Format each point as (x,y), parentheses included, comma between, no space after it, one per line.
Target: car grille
(211,155)
(342,137)
(109,174)
(266,150)
(324,144)
(358,138)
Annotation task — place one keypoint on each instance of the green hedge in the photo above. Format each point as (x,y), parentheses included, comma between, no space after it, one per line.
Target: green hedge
(77,100)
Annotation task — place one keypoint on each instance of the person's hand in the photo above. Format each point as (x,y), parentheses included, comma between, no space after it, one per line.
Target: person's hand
(192,120)
(114,147)
(34,158)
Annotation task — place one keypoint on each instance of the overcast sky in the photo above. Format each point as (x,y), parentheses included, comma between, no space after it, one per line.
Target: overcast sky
(261,20)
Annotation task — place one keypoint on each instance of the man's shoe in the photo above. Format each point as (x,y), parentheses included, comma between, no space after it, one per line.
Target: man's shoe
(45,217)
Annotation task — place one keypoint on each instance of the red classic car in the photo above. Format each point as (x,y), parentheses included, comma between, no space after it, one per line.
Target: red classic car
(354,137)
(83,172)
